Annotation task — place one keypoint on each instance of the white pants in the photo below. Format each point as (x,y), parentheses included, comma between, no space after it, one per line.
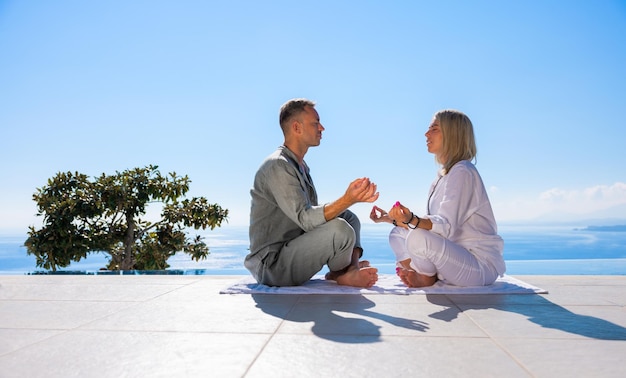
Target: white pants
(432,254)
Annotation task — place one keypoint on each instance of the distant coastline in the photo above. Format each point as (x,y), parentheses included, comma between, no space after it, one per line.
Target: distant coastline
(617,228)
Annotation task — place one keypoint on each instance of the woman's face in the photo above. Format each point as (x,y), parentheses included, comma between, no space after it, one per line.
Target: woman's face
(434,139)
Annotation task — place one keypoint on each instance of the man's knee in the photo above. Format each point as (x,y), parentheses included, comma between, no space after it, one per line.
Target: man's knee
(351,218)
(343,233)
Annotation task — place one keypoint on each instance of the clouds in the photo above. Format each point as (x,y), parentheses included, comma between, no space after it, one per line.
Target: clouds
(588,199)
(559,204)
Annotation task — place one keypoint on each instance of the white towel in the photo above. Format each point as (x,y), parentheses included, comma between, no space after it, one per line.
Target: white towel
(386,284)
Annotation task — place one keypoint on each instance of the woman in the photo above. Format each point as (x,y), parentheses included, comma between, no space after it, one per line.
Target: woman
(457,240)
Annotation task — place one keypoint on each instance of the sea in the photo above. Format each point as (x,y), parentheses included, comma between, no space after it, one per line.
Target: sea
(529,250)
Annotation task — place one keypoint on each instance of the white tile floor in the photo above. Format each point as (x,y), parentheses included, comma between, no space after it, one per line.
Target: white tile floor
(180,326)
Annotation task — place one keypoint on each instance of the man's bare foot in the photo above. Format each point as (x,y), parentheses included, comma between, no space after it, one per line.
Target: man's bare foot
(413,279)
(333,275)
(359,277)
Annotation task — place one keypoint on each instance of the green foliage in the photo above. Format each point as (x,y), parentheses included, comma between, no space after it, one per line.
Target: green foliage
(103,215)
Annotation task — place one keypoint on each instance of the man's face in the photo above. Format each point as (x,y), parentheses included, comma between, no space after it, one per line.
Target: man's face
(311,132)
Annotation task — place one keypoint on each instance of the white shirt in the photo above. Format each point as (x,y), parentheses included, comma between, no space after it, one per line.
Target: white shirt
(459,208)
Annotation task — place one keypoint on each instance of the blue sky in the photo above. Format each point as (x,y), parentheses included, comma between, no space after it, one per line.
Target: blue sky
(195,87)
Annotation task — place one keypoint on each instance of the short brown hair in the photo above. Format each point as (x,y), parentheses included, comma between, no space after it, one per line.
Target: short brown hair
(292,108)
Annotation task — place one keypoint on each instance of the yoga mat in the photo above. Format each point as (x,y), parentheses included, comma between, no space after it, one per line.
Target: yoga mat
(386,284)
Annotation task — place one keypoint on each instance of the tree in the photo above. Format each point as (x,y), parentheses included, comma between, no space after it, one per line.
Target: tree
(103,215)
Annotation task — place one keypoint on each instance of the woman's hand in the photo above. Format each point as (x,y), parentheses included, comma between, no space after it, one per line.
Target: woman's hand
(400,215)
(379,215)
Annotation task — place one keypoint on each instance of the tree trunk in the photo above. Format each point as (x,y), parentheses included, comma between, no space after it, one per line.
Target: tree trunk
(129,242)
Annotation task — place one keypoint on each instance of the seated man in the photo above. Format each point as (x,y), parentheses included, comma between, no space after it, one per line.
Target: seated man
(292,237)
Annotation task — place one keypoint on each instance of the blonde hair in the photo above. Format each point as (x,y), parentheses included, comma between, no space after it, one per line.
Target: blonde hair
(458,138)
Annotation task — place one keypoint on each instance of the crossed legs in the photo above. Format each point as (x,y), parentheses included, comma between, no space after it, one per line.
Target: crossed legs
(424,256)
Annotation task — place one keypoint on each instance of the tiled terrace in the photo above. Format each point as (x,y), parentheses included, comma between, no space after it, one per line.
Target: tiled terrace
(180,326)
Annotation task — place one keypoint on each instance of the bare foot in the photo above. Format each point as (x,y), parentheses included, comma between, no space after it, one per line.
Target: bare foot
(413,279)
(333,275)
(358,277)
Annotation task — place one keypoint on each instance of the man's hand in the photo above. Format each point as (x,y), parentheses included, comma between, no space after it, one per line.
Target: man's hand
(361,190)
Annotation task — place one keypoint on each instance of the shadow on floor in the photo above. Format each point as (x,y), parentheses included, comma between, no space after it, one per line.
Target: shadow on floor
(331,319)
(328,324)
(541,311)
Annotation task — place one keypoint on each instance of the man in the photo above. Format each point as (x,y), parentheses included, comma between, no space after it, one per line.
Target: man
(292,237)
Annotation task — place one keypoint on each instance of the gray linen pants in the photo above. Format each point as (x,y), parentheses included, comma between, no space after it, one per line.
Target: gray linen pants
(300,259)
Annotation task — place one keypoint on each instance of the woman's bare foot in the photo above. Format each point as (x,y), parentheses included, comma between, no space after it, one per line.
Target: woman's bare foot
(413,279)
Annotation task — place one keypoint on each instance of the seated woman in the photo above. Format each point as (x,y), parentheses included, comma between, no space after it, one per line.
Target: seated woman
(457,240)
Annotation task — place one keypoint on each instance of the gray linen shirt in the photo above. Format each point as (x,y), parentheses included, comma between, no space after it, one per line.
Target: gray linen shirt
(284,203)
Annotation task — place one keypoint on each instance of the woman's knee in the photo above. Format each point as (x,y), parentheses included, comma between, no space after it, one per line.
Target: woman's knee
(425,243)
